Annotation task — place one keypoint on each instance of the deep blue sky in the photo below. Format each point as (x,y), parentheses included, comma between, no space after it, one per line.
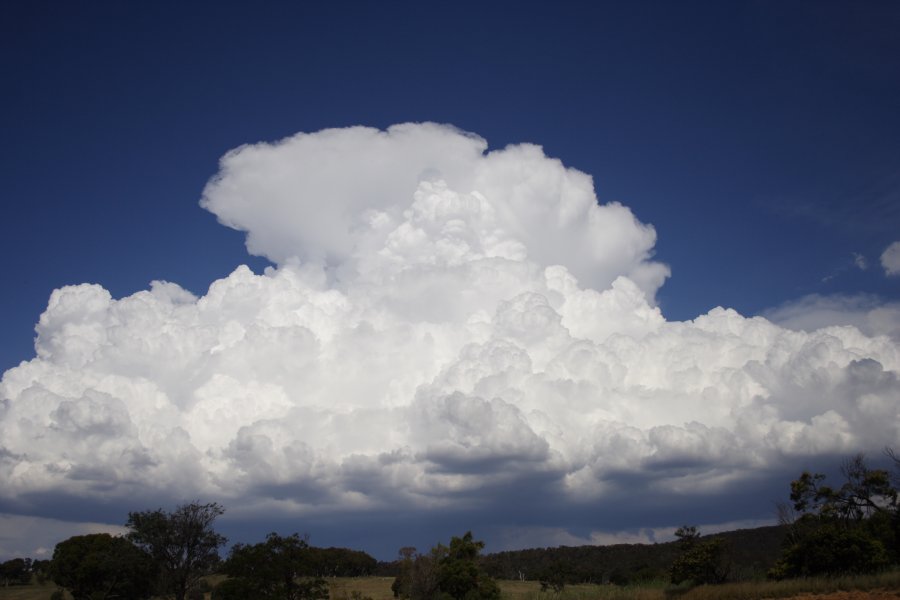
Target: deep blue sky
(761,139)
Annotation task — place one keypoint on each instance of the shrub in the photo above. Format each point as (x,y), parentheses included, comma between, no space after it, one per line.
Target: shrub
(831,549)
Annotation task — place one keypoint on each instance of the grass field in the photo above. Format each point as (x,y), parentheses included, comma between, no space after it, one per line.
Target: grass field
(379,588)
(27,592)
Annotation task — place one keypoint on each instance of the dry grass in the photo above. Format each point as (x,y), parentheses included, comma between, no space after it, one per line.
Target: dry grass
(379,588)
(376,588)
(27,592)
(763,590)
(531,590)
(751,590)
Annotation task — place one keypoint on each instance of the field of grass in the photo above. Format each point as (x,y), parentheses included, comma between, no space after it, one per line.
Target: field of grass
(750,590)
(531,590)
(27,592)
(376,588)
(379,588)
(759,590)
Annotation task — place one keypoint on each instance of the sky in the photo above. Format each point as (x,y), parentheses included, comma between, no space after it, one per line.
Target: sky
(558,273)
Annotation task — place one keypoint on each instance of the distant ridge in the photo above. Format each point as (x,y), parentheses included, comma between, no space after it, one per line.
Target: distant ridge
(751,551)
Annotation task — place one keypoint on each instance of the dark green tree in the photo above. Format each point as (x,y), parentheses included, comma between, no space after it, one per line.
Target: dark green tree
(865,492)
(183,544)
(831,549)
(99,566)
(40,569)
(233,589)
(554,577)
(403,581)
(278,569)
(699,561)
(341,562)
(460,576)
(446,572)
(851,528)
(16,571)
(419,573)
(425,584)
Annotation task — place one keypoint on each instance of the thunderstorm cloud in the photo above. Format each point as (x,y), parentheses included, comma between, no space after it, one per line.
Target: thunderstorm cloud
(444,328)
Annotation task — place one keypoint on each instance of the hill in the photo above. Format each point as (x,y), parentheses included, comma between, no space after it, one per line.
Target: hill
(751,552)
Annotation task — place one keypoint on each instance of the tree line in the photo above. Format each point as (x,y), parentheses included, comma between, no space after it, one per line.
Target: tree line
(751,552)
(827,529)
(21,571)
(169,554)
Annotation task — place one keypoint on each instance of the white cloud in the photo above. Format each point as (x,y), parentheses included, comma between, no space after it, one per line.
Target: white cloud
(444,328)
(870,314)
(890,259)
(339,196)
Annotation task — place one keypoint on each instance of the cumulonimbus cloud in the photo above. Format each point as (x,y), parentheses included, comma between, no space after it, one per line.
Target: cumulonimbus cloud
(442,323)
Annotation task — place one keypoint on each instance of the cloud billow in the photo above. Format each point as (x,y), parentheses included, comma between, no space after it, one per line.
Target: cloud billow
(442,326)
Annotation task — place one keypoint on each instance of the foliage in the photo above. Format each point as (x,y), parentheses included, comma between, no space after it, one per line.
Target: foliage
(275,569)
(233,589)
(418,578)
(445,573)
(16,571)
(865,492)
(699,561)
(828,548)
(554,578)
(41,570)
(403,580)
(99,566)
(848,529)
(182,543)
(459,574)
(341,562)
